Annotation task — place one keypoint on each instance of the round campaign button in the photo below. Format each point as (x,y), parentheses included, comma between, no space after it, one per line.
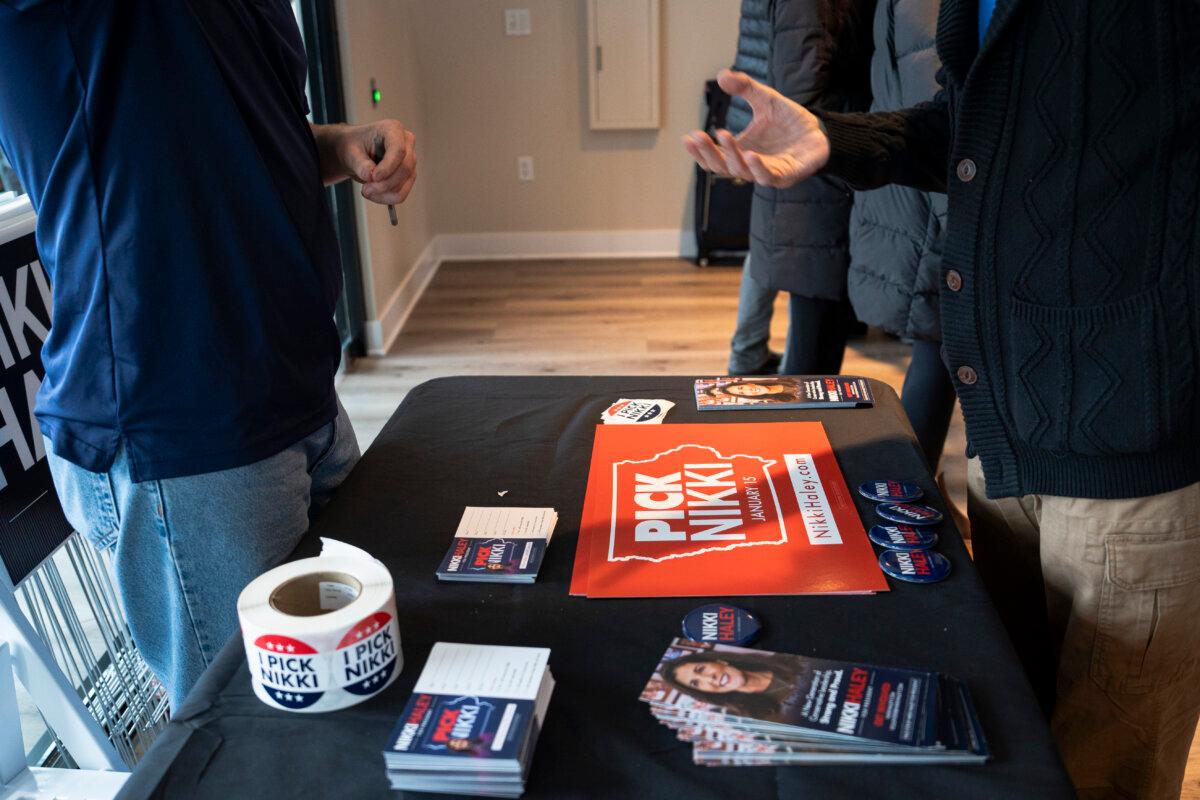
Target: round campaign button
(720,623)
(902,537)
(889,491)
(909,513)
(915,566)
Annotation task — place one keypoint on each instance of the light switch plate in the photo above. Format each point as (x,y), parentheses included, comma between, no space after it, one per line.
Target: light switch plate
(524,168)
(517,22)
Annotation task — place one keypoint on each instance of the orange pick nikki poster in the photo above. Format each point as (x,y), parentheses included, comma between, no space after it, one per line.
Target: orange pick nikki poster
(719,509)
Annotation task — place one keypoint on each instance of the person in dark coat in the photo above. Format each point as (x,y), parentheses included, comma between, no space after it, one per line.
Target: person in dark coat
(818,53)
(896,231)
(1065,138)
(753,55)
(749,350)
(799,236)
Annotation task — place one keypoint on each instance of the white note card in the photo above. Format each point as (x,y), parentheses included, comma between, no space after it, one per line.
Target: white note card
(501,522)
(513,673)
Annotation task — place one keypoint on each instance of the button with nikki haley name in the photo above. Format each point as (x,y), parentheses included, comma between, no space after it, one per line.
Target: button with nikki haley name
(915,566)
(889,491)
(902,537)
(909,513)
(721,623)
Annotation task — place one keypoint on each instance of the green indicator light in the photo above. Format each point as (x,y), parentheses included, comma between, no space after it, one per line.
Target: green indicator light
(376,96)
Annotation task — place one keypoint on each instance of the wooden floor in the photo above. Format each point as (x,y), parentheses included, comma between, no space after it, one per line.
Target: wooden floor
(627,317)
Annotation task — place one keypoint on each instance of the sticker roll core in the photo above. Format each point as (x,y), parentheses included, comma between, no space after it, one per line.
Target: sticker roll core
(320,634)
(315,594)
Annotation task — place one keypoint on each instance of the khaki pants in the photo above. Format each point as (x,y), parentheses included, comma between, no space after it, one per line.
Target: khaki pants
(1102,600)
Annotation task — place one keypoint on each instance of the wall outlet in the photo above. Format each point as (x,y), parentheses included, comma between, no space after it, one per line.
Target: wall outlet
(524,168)
(517,22)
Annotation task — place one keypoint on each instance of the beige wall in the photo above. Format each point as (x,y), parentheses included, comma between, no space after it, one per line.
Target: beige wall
(490,98)
(477,99)
(377,39)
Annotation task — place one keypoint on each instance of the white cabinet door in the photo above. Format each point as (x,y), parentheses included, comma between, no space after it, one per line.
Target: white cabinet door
(623,63)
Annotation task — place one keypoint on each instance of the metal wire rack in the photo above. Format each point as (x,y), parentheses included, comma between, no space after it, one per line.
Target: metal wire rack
(71,602)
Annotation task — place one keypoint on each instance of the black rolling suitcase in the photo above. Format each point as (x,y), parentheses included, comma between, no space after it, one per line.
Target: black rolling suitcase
(722,204)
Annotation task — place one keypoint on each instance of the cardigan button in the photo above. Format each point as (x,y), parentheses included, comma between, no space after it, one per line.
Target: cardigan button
(954,280)
(966,170)
(967,375)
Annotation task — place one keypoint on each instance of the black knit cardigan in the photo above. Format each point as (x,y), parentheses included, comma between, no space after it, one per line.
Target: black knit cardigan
(1069,146)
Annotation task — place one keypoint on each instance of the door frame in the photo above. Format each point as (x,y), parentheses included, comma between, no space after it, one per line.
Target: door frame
(328,105)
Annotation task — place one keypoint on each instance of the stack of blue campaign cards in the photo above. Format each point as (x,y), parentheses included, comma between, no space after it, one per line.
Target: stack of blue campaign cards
(907,533)
(472,722)
(498,545)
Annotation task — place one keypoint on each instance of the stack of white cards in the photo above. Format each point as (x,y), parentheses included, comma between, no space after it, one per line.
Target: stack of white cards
(499,544)
(473,721)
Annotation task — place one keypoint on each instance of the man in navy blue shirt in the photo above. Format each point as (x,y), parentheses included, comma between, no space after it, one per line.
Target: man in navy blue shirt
(188,403)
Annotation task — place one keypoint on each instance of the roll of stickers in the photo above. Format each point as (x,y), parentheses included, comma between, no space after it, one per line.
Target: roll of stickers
(321,633)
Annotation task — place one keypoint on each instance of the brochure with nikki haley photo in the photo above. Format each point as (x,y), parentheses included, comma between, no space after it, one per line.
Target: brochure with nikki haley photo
(746,707)
(472,722)
(719,509)
(783,391)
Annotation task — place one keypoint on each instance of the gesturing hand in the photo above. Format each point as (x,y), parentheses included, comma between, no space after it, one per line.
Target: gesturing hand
(392,178)
(783,144)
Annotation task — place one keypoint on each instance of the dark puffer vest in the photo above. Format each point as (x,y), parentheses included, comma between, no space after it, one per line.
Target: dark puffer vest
(896,231)
(799,237)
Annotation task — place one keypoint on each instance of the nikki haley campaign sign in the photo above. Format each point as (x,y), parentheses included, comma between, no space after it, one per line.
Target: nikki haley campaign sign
(736,509)
(32,524)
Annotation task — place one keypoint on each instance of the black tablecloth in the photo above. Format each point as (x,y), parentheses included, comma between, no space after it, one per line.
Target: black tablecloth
(457,442)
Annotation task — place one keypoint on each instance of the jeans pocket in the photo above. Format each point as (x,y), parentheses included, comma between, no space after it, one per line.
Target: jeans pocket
(341,446)
(1147,634)
(88,502)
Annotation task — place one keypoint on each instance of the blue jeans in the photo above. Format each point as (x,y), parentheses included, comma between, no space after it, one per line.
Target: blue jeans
(749,351)
(184,548)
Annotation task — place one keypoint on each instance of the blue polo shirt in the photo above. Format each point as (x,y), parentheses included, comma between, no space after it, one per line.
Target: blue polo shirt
(183,224)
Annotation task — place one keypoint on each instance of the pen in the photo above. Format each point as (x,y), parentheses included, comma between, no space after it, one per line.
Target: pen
(377,156)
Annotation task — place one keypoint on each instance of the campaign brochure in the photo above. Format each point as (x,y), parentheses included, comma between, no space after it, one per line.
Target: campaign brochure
(498,545)
(783,391)
(472,722)
(719,509)
(743,707)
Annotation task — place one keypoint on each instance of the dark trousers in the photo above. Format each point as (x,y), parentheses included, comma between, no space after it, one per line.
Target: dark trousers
(817,332)
(928,398)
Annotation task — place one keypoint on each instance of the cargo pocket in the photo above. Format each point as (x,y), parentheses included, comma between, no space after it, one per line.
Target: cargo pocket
(1076,372)
(1148,627)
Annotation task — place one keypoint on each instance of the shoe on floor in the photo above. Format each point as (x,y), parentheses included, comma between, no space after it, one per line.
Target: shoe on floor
(768,367)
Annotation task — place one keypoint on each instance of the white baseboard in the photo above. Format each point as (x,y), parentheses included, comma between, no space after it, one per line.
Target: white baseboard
(373,334)
(657,243)
(381,333)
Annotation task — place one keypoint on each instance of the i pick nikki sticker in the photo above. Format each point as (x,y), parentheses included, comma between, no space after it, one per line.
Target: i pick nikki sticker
(636,412)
